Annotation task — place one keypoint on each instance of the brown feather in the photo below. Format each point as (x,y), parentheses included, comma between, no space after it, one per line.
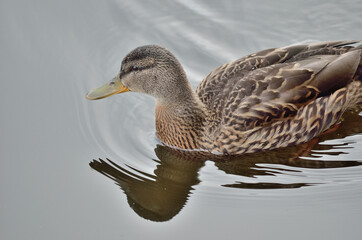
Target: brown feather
(265,100)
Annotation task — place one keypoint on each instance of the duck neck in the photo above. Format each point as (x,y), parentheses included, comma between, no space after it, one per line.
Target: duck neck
(180,124)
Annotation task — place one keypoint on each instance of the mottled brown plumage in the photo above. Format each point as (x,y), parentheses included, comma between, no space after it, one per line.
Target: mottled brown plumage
(273,98)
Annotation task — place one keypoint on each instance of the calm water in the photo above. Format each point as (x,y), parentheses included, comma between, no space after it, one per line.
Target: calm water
(53,52)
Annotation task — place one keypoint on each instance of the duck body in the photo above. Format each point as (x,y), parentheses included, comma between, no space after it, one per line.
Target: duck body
(274,98)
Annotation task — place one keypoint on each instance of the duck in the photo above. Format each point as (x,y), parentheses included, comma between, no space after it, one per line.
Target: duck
(273,98)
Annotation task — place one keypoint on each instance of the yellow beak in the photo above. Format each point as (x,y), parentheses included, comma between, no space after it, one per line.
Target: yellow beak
(113,87)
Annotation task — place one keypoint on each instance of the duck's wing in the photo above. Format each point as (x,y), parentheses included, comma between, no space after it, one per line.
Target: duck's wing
(214,83)
(278,90)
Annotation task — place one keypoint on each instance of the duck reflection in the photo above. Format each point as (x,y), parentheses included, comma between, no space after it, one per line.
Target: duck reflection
(156,197)
(162,195)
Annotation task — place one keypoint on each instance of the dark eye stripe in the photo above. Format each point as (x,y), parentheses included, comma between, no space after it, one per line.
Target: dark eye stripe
(134,68)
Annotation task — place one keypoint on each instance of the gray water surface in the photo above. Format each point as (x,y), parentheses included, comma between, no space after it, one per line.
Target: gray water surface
(54,52)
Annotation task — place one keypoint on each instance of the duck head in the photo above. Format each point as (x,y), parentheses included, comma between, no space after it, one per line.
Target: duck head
(150,69)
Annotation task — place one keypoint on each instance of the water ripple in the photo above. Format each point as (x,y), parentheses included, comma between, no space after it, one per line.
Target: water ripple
(159,181)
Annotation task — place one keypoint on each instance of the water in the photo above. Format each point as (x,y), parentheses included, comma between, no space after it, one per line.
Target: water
(53,52)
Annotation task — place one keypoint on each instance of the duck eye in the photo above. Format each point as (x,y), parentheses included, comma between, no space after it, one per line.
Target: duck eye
(135,68)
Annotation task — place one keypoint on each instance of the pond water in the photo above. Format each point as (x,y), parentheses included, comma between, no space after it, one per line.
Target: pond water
(76,169)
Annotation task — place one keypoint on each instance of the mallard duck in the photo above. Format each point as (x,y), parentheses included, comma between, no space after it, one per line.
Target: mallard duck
(270,99)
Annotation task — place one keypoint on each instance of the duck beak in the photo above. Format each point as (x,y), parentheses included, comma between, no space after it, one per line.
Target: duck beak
(113,87)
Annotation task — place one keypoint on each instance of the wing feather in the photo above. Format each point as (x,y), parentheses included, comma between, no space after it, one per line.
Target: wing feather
(266,86)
